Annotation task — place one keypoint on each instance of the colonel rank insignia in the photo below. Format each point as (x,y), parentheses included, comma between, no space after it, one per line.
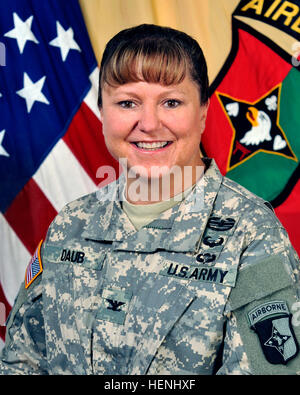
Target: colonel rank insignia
(35,267)
(272,323)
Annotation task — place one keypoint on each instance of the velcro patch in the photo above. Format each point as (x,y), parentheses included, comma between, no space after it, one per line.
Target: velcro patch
(35,267)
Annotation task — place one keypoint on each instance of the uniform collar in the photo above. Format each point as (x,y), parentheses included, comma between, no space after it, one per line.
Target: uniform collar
(168,232)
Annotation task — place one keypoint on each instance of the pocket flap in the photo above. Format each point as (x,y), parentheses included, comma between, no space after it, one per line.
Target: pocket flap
(259,280)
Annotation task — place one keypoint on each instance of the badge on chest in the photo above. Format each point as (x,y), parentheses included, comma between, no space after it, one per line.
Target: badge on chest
(114,305)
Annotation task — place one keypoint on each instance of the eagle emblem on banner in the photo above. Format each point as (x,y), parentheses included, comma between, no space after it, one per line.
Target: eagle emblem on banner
(255,127)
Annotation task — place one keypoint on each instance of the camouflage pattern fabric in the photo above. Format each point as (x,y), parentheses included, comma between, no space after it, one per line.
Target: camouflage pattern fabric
(171,298)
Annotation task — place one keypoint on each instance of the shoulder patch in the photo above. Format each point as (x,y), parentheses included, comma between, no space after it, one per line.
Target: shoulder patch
(272,323)
(35,267)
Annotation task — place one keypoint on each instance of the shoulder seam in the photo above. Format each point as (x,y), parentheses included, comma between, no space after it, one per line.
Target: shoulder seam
(258,201)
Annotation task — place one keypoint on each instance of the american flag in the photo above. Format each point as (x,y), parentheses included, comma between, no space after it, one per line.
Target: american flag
(51,143)
(35,266)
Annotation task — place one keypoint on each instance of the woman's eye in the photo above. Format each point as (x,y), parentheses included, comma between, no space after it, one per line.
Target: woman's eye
(172,103)
(126,104)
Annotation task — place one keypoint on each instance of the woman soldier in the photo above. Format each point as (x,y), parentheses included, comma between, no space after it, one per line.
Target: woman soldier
(171,269)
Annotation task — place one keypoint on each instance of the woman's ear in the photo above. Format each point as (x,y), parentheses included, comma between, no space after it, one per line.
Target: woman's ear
(206,105)
(204,110)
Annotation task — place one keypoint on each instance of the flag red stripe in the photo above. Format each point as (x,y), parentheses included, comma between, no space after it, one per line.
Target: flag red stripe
(85,139)
(30,215)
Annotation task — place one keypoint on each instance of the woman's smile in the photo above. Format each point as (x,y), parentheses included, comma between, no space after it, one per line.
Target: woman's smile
(151,146)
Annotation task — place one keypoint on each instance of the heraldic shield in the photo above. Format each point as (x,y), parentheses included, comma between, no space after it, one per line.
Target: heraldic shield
(272,323)
(252,126)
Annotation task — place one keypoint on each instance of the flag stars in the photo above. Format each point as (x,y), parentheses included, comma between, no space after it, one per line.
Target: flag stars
(22,31)
(3,152)
(64,41)
(32,92)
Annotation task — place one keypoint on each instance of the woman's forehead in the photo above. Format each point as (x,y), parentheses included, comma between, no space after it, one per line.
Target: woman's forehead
(152,90)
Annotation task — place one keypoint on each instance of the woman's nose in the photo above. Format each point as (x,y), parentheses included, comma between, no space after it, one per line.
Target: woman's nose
(149,119)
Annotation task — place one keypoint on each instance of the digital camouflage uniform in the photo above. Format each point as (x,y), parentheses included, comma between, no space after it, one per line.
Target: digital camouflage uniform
(199,290)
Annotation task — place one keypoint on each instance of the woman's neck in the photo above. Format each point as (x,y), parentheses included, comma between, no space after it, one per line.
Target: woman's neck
(144,190)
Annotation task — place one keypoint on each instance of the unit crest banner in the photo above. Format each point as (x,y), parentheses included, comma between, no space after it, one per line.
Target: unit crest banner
(253,126)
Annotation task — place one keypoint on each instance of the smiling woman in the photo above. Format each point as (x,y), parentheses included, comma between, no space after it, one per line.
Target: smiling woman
(180,286)
(154,126)
(153,99)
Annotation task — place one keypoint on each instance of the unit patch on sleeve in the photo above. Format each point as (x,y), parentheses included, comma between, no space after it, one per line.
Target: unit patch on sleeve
(35,267)
(272,323)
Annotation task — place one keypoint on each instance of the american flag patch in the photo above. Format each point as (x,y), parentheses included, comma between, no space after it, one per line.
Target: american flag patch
(34,267)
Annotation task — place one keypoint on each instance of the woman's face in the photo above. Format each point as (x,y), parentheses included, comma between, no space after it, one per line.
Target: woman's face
(153,125)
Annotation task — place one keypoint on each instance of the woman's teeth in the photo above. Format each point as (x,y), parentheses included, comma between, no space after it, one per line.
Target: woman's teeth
(151,146)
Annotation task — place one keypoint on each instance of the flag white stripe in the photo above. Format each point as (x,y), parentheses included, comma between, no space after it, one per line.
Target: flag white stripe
(14,259)
(91,98)
(62,178)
